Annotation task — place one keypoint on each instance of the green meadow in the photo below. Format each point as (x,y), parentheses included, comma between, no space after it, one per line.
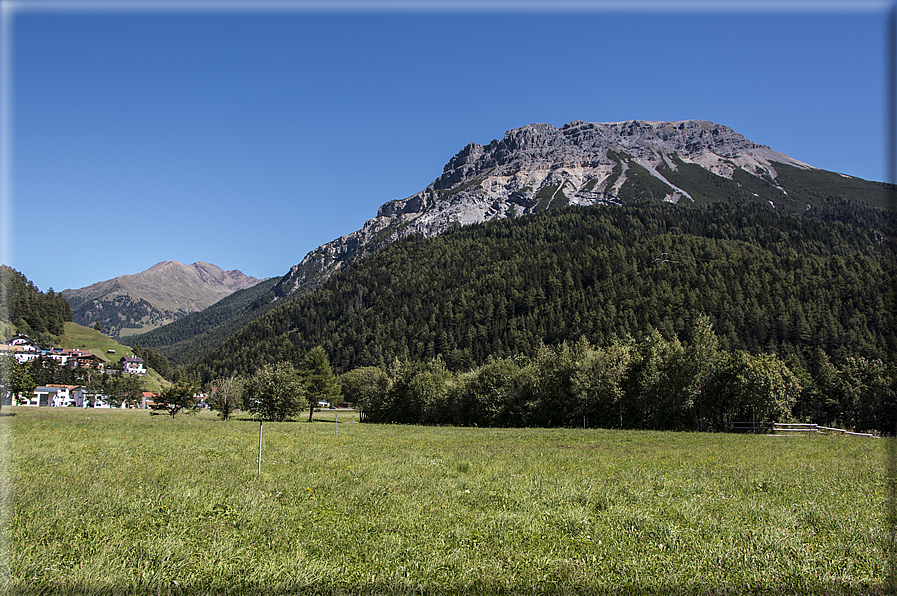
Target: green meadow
(122,502)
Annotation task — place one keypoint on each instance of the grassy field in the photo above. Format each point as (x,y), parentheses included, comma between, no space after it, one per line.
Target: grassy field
(87,338)
(121,502)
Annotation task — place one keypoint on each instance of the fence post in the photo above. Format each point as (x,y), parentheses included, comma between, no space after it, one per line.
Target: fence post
(259,473)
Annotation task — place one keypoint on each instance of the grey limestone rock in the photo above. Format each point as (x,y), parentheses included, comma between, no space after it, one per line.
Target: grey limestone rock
(539,166)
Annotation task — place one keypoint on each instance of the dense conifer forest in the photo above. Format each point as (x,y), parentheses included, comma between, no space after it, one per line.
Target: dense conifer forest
(30,311)
(768,283)
(795,297)
(195,334)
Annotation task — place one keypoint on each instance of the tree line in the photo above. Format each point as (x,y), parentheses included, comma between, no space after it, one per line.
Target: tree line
(656,383)
(32,312)
(274,392)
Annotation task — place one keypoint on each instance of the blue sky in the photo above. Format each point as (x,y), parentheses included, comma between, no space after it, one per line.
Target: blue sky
(247,137)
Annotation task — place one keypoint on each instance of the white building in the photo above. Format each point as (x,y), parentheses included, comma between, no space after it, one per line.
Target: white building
(22,347)
(133,365)
(59,396)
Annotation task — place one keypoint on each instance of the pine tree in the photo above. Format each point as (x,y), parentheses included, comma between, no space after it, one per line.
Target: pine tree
(320,382)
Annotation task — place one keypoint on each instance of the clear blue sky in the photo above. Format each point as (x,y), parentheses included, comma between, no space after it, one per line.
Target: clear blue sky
(246,138)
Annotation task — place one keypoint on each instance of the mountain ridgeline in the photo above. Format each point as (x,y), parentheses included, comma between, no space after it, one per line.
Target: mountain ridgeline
(131,304)
(540,168)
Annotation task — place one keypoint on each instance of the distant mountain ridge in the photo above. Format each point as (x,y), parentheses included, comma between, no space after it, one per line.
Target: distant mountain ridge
(162,294)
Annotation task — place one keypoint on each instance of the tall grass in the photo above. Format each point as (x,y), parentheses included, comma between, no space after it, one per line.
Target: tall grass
(112,502)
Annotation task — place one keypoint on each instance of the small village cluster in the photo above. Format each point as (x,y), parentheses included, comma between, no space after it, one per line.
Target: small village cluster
(77,396)
(26,350)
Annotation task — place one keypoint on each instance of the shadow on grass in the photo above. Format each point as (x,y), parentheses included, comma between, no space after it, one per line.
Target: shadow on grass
(256,420)
(300,420)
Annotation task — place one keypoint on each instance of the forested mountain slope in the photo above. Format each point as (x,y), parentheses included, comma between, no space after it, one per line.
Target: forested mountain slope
(199,332)
(768,281)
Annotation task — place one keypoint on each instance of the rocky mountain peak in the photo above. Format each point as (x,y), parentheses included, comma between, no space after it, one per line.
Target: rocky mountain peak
(165,292)
(540,166)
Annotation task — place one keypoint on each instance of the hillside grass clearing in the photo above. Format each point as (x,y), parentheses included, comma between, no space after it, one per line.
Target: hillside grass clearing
(85,338)
(121,502)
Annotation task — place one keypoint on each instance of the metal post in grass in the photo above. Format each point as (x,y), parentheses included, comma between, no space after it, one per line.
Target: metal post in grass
(260,448)
(336,421)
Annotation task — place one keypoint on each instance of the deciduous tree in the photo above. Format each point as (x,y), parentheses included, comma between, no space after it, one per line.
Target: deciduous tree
(15,378)
(226,395)
(599,383)
(177,397)
(121,389)
(275,392)
(748,386)
(361,386)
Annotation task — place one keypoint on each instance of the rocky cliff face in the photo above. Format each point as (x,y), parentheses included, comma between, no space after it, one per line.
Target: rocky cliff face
(163,293)
(540,167)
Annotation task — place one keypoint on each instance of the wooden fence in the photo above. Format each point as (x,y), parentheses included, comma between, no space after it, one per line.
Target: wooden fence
(785,429)
(810,429)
